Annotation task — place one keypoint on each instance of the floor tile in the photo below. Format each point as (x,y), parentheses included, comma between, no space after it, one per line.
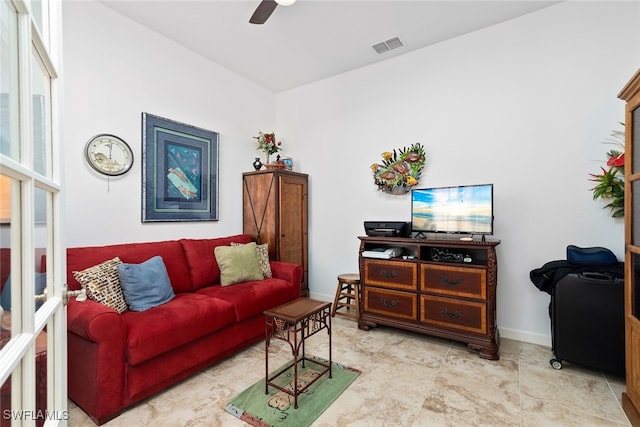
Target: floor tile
(407,379)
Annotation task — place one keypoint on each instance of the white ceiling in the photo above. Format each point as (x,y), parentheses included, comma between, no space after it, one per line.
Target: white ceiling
(313,39)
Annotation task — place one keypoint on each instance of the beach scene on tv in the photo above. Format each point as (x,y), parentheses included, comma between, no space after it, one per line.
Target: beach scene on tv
(465,209)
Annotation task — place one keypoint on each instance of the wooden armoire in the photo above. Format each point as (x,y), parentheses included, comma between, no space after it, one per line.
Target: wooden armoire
(275,212)
(631,398)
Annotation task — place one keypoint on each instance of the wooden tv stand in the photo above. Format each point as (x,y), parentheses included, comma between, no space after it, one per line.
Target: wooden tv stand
(440,287)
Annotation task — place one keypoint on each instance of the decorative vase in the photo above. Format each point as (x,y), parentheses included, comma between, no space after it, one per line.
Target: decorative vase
(267,161)
(257,164)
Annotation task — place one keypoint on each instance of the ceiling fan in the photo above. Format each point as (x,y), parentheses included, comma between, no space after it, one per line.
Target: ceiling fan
(266,8)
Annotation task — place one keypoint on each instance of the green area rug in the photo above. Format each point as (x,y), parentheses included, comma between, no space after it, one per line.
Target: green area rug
(255,407)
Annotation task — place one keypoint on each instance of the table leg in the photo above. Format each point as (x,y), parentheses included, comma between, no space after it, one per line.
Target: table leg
(267,332)
(295,368)
(303,338)
(330,363)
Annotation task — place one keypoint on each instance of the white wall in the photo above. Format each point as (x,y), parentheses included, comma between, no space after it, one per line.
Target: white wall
(116,69)
(524,104)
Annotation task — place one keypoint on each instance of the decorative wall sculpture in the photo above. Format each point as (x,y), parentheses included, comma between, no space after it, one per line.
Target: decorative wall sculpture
(400,170)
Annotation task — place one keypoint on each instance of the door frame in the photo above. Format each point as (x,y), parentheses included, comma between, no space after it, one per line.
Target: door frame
(38,37)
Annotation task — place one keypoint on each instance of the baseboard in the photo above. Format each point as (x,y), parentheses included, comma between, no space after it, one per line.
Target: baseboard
(321,297)
(528,337)
(511,334)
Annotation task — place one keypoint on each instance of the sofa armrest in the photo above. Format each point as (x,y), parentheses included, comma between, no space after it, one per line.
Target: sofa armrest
(96,358)
(289,272)
(93,321)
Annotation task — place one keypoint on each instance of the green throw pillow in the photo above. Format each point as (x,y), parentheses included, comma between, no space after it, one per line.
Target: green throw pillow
(238,264)
(263,258)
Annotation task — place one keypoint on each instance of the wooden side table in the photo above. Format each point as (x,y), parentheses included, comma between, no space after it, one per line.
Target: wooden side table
(293,323)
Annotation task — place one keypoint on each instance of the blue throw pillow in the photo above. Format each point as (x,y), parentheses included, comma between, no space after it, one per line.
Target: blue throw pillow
(5,298)
(145,285)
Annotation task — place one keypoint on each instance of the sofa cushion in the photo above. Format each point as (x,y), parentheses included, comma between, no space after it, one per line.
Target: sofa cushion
(255,297)
(168,326)
(201,261)
(238,263)
(134,253)
(145,285)
(102,284)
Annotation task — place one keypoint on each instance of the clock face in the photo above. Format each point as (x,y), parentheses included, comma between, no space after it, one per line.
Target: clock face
(109,154)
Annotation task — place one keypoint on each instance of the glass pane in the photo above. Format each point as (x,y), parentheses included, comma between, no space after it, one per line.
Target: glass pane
(5,253)
(40,245)
(635,224)
(40,414)
(635,288)
(36,15)
(41,100)
(5,281)
(636,140)
(5,390)
(9,106)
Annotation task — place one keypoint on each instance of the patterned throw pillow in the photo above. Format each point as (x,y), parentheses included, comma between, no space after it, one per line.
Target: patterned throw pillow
(102,284)
(263,258)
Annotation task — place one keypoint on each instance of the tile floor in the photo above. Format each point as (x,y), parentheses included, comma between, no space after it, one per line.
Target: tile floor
(407,380)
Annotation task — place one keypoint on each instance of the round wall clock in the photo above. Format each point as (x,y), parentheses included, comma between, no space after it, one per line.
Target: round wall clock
(109,155)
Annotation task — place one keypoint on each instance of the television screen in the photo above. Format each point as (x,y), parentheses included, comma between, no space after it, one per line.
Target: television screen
(464,209)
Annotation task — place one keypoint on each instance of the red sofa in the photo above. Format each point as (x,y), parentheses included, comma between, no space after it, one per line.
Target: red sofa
(116,360)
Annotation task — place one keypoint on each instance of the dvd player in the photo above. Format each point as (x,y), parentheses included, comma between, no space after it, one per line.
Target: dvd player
(387,228)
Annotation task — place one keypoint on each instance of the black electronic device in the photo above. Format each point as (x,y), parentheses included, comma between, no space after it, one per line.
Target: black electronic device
(446,255)
(387,228)
(465,209)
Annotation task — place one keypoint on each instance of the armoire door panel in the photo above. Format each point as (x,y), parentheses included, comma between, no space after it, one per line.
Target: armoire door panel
(292,227)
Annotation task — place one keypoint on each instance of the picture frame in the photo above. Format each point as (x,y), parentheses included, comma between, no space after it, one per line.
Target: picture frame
(179,171)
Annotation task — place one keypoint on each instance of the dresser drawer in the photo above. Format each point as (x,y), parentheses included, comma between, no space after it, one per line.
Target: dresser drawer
(391,274)
(468,316)
(456,281)
(400,305)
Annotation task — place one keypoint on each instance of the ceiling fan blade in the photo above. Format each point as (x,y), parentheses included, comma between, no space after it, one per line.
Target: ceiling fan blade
(263,11)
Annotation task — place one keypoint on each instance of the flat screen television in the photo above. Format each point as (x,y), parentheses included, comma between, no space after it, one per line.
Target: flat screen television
(466,209)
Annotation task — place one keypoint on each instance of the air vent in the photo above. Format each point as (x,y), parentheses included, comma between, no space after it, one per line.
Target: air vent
(387,45)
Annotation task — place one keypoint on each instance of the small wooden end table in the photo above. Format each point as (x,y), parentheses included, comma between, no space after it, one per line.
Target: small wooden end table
(293,323)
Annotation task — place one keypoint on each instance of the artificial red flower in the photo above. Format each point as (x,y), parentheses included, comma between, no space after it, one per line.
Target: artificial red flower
(617,161)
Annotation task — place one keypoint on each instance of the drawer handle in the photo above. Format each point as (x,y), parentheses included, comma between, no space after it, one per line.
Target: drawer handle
(388,303)
(389,274)
(455,282)
(450,315)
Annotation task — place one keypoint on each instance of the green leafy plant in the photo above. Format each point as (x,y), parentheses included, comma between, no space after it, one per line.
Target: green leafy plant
(610,183)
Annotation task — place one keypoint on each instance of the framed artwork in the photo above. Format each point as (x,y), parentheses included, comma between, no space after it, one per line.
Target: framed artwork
(179,171)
